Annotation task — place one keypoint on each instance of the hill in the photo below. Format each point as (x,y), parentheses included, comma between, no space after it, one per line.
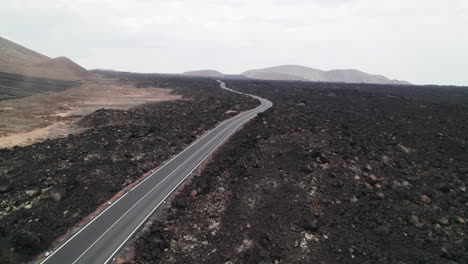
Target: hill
(17,59)
(205,73)
(62,67)
(15,54)
(297,72)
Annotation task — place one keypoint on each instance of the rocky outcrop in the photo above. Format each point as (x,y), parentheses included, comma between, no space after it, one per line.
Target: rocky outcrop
(51,186)
(322,177)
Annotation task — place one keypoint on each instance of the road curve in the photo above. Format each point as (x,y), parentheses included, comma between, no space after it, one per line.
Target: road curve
(100,239)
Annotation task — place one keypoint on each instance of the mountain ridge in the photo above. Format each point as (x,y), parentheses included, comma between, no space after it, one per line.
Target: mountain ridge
(290,72)
(204,73)
(17,59)
(298,72)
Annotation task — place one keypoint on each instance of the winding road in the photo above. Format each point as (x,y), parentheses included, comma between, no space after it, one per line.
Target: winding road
(100,239)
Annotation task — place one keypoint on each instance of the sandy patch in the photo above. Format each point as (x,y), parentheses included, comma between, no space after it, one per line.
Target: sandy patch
(31,119)
(26,138)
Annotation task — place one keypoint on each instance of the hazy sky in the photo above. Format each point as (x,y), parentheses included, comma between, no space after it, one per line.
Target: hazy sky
(421,41)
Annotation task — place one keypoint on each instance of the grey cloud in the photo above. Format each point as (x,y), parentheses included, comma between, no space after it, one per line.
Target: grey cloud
(422,41)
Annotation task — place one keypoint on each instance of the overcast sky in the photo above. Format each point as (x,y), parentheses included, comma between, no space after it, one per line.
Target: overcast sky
(421,41)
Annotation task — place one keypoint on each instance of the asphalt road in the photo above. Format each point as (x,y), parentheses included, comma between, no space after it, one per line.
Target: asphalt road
(102,237)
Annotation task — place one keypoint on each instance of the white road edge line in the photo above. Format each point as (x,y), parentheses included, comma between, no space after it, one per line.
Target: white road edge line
(157,206)
(186,149)
(149,176)
(150,191)
(239,117)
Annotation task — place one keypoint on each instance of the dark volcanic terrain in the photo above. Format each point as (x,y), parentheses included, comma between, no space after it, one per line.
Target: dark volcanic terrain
(332,173)
(16,86)
(49,187)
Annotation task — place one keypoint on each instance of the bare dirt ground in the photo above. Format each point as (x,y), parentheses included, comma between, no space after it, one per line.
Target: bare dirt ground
(25,121)
(49,188)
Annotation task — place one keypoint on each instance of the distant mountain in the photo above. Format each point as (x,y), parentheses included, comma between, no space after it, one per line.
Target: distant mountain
(277,76)
(205,73)
(235,77)
(102,70)
(302,73)
(17,59)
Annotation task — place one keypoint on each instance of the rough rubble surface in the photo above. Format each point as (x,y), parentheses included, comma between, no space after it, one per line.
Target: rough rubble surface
(333,173)
(47,188)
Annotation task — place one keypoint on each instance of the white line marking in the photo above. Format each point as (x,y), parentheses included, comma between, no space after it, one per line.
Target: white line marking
(186,149)
(150,191)
(157,206)
(149,176)
(244,117)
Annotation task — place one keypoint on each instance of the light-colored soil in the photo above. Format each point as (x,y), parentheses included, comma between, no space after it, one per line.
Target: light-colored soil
(32,119)
(33,135)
